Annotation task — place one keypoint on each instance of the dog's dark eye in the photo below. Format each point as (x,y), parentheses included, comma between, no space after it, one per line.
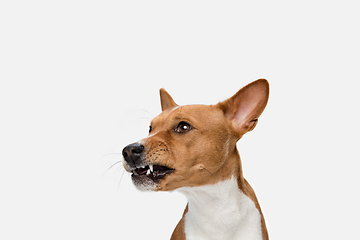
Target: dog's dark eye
(183,127)
(150,129)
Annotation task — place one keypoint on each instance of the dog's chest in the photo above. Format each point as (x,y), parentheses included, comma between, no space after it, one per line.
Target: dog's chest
(222,212)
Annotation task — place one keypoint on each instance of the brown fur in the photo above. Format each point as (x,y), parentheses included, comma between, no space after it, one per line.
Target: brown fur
(207,153)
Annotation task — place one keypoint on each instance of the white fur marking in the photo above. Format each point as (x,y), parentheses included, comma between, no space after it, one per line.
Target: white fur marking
(221,212)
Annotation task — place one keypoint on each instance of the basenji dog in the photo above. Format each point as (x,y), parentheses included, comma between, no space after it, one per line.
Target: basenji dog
(193,149)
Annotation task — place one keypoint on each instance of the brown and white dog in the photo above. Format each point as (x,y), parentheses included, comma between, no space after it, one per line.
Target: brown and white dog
(193,149)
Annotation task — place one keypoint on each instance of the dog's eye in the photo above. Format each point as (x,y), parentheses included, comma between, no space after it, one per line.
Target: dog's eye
(150,129)
(183,127)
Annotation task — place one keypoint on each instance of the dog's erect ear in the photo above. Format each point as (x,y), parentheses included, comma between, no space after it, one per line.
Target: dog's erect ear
(244,108)
(166,100)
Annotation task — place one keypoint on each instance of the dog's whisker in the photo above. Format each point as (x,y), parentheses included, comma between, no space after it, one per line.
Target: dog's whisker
(119,168)
(122,175)
(142,118)
(110,154)
(201,167)
(151,115)
(113,165)
(118,162)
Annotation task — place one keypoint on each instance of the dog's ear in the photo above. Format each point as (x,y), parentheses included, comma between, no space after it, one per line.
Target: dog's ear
(244,108)
(166,100)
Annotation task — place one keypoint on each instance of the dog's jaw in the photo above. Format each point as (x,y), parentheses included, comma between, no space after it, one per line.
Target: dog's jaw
(144,183)
(148,177)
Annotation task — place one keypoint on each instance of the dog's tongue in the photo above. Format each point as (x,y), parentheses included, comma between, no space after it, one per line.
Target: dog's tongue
(142,171)
(160,171)
(156,173)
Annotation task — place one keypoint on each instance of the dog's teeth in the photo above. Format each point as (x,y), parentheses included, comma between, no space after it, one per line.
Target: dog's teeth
(148,172)
(151,168)
(135,173)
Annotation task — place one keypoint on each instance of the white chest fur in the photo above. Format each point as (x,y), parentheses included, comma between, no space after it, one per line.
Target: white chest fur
(221,212)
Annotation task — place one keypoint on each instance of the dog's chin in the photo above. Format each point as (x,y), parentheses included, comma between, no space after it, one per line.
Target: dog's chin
(143,183)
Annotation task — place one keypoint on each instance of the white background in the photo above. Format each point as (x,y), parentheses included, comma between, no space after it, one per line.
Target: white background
(80,80)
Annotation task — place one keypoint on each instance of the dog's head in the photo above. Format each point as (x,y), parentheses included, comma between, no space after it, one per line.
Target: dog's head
(194,145)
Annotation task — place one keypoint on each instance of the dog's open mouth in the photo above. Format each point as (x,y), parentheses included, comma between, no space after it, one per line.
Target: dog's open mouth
(153,172)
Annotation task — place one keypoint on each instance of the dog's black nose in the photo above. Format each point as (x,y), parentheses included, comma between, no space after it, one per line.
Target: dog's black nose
(132,154)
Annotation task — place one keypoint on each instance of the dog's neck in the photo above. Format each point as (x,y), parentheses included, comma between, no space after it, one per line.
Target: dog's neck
(221,211)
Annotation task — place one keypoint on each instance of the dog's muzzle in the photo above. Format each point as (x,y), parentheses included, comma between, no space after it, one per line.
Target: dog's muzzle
(144,171)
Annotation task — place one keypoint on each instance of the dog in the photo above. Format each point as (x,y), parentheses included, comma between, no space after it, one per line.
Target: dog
(192,149)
